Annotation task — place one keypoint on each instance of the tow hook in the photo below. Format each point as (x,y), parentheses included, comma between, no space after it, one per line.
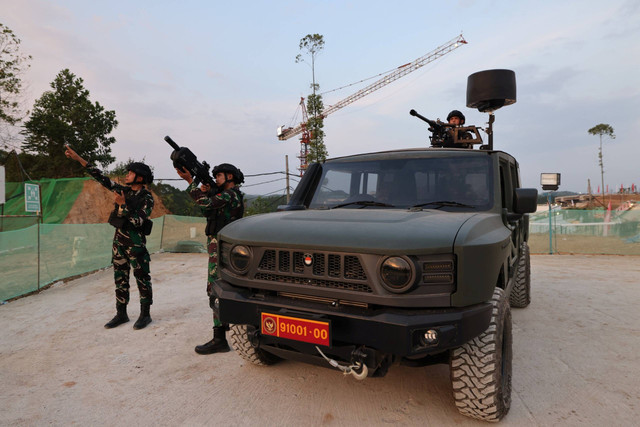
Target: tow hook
(358,369)
(254,338)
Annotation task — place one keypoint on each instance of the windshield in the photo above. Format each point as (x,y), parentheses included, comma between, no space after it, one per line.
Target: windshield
(449,183)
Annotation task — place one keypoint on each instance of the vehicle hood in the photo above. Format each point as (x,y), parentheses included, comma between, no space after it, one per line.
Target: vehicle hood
(351,230)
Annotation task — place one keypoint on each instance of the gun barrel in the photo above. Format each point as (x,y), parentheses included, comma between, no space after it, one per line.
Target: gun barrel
(423,118)
(171,142)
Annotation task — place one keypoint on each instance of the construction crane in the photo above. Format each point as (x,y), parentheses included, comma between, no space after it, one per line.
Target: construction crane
(285,133)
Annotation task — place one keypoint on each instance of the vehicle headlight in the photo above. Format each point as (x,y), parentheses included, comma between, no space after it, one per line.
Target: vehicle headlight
(396,274)
(240,258)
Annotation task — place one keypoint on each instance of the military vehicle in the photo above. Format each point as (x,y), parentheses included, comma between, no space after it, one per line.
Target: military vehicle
(408,256)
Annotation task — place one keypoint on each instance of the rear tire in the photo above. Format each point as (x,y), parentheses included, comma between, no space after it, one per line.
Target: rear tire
(521,293)
(240,337)
(481,368)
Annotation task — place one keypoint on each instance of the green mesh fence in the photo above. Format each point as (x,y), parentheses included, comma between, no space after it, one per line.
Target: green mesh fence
(586,232)
(65,250)
(18,262)
(183,234)
(57,197)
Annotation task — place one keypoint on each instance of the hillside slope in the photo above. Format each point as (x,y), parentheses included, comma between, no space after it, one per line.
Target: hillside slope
(95,203)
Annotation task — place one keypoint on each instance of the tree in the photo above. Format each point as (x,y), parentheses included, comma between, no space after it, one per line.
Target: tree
(13,65)
(317,148)
(313,44)
(600,130)
(120,169)
(262,204)
(67,116)
(177,201)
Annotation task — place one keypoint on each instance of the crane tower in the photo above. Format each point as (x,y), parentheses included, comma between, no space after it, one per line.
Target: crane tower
(401,71)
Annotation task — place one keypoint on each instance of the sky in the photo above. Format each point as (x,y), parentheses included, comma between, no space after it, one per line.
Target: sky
(220,77)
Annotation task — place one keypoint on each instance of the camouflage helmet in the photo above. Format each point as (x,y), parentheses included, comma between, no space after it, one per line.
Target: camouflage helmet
(238,176)
(140,169)
(456,113)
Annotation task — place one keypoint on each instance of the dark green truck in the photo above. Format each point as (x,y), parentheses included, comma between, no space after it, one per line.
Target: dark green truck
(406,256)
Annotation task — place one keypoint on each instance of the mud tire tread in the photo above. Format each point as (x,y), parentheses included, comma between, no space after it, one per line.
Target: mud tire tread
(521,293)
(239,337)
(481,381)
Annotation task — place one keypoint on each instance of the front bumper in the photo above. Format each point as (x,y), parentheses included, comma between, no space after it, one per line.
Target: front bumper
(394,331)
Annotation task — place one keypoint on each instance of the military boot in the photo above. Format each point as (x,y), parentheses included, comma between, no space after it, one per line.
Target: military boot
(217,345)
(120,318)
(145,317)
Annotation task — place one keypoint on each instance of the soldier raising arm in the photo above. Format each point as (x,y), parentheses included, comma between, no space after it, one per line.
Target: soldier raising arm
(133,204)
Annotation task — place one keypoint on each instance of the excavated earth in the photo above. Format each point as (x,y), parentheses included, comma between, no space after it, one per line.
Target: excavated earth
(95,203)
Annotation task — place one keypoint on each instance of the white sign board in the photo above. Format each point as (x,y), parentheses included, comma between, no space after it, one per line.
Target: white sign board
(2,186)
(31,197)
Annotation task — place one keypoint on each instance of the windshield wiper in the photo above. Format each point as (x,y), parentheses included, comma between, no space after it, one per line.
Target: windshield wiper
(442,203)
(364,203)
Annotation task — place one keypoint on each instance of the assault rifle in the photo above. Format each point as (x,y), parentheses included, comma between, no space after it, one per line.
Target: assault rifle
(184,159)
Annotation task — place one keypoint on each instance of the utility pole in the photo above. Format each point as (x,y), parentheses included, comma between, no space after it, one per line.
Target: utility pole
(286,160)
(601,170)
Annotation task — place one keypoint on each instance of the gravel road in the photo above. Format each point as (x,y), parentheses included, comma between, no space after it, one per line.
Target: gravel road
(576,359)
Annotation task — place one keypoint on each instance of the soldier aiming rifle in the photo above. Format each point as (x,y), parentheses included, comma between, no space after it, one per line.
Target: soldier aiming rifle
(221,203)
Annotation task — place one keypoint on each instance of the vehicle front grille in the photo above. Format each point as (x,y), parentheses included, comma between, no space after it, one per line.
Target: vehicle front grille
(329,301)
(320,283)
(268,261)
(353,268)
(331,265)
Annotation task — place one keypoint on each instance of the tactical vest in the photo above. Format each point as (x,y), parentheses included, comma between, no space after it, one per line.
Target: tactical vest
(134,202)
(219,219)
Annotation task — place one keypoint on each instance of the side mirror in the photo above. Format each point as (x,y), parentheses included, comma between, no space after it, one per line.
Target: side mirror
(525,200)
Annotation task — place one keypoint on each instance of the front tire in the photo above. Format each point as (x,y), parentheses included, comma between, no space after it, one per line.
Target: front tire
(481,368)
(240,336)
(521,293)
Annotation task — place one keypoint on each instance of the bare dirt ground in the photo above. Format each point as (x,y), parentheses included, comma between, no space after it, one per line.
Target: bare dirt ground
(576,359)
(95,203)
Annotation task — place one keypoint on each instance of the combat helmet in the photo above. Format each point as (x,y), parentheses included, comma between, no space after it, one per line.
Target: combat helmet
(140,169)
(238,176)
(456,113)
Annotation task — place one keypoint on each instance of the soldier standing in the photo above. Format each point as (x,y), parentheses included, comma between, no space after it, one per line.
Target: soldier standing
(220,206)
(130,217)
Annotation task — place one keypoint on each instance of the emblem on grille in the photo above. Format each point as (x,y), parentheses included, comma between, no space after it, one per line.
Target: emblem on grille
(308,259)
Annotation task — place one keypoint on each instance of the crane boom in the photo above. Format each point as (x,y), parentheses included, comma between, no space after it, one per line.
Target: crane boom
(403,70)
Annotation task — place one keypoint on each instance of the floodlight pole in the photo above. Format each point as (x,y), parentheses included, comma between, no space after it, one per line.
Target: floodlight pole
(550,229)
(550,182)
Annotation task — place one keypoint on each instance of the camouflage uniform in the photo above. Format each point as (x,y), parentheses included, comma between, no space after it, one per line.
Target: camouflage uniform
(129,242)
(220,209)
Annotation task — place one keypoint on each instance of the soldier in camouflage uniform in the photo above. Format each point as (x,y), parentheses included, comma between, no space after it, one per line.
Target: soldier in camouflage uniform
(130,217)
(220,206)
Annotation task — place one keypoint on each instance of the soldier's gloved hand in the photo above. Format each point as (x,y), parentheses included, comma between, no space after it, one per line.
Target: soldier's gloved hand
(119,198)
(185,174)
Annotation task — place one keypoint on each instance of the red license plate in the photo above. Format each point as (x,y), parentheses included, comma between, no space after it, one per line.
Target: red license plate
(294,328)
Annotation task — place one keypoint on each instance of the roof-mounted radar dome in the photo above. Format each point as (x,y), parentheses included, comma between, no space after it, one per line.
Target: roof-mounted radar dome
(491,89)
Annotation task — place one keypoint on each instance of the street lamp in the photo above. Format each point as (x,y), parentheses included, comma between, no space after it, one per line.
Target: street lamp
(550,182)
